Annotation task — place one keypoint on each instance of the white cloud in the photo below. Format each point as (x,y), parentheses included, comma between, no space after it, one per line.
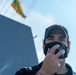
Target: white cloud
(38,22)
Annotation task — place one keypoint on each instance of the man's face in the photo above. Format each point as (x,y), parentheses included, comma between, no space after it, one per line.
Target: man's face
(57,35)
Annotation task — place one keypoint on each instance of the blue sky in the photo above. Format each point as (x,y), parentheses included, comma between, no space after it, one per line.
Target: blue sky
(41,14)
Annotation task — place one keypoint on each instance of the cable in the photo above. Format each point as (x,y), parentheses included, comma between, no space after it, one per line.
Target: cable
(30,8)
(4,5)
(6,10)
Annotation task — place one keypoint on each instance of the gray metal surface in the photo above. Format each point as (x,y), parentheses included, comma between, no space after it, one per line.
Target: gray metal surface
(16,46)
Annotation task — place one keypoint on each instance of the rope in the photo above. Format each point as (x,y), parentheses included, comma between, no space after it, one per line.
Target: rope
(4,5)
(30,8)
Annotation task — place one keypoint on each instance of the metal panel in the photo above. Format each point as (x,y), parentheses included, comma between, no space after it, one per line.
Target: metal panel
(16,46)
